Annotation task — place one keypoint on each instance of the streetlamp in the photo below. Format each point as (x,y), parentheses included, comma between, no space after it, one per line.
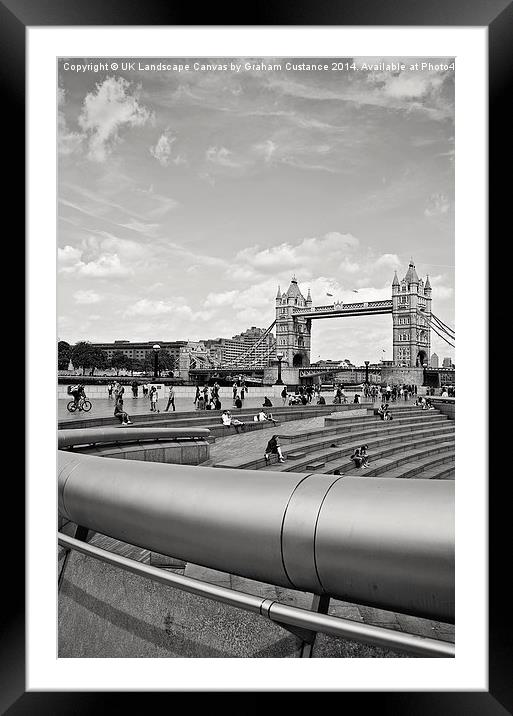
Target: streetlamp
(367,372)
(156,349)
(279,356)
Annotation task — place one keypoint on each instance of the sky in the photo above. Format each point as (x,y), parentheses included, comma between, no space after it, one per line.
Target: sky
(186,196)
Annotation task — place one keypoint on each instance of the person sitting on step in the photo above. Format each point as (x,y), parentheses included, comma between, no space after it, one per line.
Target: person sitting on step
(356,457)
(263,417)
(227,419)
(273,448)
(120,414)
(364,455)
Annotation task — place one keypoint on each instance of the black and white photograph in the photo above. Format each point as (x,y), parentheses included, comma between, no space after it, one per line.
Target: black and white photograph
(256,377)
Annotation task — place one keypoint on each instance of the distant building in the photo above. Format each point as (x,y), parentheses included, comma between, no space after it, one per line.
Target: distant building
(253,348)
(435,361)
(139,350)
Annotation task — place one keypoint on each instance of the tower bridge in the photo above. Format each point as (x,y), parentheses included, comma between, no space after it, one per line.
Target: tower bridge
(410,307)
(412,323)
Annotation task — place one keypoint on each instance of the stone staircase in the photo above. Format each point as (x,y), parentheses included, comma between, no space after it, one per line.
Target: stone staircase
(211,419)
(415,444)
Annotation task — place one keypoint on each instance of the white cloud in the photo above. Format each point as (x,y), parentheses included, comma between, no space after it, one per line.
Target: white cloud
(310,255)
(68,256)
(102,256)
(87,297)
(437,205)
(162,149)
(221,156)
(266,149)
(214,300)
(391,261)
(106,111)
(107,266)
(147,307)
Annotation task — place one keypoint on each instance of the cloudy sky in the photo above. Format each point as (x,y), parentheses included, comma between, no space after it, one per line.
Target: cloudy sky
(186,198)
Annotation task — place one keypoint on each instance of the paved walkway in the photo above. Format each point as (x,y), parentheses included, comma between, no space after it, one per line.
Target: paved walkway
(104,408)
(254,443)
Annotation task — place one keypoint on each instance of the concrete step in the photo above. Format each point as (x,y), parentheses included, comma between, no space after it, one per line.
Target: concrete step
(443,471)
(410,456)
(198,417)
(331,451)
(436,463)
(349,426)
(385,459)
(374,434)
(316,465)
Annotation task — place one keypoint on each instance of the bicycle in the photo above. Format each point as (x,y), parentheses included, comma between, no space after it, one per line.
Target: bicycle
(83,404)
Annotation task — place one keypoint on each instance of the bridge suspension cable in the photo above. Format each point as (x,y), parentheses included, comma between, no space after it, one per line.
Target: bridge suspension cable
(443,325)
(253,348)
(434,328)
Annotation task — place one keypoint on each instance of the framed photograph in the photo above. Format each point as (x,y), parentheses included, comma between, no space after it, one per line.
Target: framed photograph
(198,197)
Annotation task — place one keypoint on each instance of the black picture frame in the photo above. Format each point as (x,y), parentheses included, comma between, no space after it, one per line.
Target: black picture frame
(497,15)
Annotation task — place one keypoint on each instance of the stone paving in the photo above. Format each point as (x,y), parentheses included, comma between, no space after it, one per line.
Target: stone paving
(254,443)
(104,408)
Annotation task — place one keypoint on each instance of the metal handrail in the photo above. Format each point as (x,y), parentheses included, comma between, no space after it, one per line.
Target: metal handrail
(275,611)
(379,541)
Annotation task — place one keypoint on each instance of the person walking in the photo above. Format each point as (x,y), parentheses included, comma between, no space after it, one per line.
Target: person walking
(154,399)
(242,392)
(284,395)
(234,391)
(197,397)
(171,398)
(109,390)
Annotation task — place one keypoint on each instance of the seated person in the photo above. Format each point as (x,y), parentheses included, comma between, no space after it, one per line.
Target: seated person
(321,401)
(238,402)
(227,419)
(263,417)
(304,399)
(273,448)
(384,412)
(119,413)
(356,457)
(267,403)
(217,403)
(364,455)
(356,398)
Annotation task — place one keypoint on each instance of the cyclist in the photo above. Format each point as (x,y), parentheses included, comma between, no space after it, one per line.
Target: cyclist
(78,392)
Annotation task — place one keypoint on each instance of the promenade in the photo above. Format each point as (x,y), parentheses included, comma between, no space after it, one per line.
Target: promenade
(104,407)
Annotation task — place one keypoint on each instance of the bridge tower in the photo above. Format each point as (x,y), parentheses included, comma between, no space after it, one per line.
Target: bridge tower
(293,332)
(411,299)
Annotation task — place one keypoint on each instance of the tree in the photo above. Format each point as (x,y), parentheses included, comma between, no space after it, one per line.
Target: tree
(63,355)
(98,360)
(120,361)
(166,362)
(82,355)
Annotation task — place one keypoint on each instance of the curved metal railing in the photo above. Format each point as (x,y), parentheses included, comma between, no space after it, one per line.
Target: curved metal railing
(382,542)
(96,436)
